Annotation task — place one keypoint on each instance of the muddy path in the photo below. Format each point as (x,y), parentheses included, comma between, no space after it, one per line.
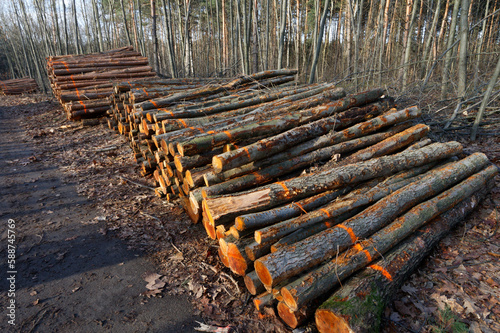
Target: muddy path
(71,275)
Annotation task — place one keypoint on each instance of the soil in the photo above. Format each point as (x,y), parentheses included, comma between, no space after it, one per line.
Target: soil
(72,275)
(97,250)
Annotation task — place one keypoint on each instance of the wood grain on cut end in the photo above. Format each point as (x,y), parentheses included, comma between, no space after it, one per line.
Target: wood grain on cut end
(263,273)
(327,322)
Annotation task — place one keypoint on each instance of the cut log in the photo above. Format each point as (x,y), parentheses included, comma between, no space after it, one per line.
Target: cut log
(336,208)
(294,318)
(255,250)
(253,284)
(239,263)
(282,264)
(268,217)
(389,145)
(213,178)
(228,207)
(305,232)
(273,145)
(356,131)
(263,300)
(239,104)
(268,127)
(358,305)
(328,275)
(271,172)
(183,163)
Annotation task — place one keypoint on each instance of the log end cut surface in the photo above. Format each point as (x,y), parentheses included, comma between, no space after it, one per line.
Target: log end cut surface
(328,322)
(263,273)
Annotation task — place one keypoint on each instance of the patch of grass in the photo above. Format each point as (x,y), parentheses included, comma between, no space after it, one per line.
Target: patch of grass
(448,322)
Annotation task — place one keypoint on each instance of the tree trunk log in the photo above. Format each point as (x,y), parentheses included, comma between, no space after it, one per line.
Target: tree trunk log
(300,162)
(326,244)
(273,145)
(353,200)
(368,292)
(268,217)
(267,127)
(228,207)
(328,275)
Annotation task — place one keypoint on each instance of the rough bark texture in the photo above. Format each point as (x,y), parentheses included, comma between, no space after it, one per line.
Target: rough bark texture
(228,207)
(358,305)
(282,264)
(268,217)
(327,276)
(353,200)
(268,127)
(299,162)
(273,145)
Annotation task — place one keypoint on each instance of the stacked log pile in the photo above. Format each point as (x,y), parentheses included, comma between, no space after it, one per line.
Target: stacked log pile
(324,203)
(149,111)
(18,86)
(83,83)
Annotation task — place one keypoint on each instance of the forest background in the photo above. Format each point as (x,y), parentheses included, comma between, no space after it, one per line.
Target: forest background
(447,49)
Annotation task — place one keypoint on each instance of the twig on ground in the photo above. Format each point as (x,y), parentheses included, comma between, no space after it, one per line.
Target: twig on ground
(136,183)
(232,280)
(105,149)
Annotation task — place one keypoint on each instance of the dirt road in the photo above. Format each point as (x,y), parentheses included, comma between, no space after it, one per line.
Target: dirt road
(69,275)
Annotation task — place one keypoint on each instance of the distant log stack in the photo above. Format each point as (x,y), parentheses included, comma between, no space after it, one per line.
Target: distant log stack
(83,83)
(18,86)
(302,185)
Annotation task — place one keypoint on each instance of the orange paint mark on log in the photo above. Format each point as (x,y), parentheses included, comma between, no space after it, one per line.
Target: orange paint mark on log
(84,106)
(284,187)
(360,249)
(257,176)
(156,105)
(210,132)
(300,207)
(248,153)
(385,273)
(228,134)
(349,231)
(325,211)
(65,65)
(182,122)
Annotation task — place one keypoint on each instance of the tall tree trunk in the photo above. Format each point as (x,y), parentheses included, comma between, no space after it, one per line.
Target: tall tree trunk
(462,56)
(125,22)
(451,38)
(78,45)
(480,47)
(188,70)
(97,22)
(407,39)
(282,32)
(485,101)
(430,37)
(312,75)
(155,38)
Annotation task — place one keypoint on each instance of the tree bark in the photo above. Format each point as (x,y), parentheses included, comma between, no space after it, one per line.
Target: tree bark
(327,276)
(326,244)
(462,55)
(368,292)
(228,207)
(353,200)
(275,144)
(268,173)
